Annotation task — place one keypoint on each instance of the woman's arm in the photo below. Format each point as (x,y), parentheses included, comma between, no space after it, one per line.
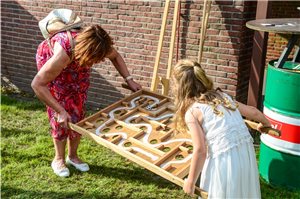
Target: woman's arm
(121,67)
(193,119)
(47,73)
(253,113)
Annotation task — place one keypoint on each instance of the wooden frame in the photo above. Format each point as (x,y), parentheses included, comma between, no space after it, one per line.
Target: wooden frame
(140,128)
(165,80)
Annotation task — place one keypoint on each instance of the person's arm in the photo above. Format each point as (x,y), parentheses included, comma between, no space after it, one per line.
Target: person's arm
(253,113)
(193,119)
(49,72)
(121,67)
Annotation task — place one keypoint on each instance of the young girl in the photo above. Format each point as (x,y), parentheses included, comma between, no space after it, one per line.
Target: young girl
(223,148)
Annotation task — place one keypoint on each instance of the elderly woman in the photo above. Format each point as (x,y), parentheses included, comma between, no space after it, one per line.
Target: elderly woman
(62,82)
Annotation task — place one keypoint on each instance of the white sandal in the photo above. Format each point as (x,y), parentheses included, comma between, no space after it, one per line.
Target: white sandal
(81,167)
(59,170)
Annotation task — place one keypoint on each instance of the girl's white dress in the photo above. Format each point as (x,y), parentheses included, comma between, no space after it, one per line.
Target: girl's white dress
(230,169)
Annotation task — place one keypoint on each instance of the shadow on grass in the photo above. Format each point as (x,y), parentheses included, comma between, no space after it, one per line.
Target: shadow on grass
(269,191)
(19,103)
(16,132)
(9,192)
(136,174)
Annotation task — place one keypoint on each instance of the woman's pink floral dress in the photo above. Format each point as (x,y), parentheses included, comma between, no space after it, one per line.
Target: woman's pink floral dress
(69,88)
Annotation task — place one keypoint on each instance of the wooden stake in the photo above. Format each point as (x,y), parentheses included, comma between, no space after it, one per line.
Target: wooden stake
(171,51)
(161,37)
(205,16)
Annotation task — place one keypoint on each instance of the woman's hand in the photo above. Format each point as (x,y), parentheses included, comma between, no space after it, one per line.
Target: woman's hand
(63,118)
(188,187)
(133,85)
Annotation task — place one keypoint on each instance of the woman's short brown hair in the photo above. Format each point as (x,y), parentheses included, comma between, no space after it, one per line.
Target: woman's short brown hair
(92,45)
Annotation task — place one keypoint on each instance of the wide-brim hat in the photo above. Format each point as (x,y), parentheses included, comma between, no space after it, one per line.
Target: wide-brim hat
(59,20)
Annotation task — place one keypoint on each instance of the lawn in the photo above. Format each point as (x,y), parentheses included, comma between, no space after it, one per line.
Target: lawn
(27,151)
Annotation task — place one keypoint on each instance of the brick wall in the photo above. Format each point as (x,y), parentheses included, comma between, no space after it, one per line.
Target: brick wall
(135,27)
(277,42)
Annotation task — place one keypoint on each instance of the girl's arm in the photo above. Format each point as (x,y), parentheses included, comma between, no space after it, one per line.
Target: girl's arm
(253,113)
(49,72)
(121,67)
(193,119)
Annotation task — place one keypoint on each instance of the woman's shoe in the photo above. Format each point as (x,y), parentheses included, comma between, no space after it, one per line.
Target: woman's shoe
(60,170)
(81,167)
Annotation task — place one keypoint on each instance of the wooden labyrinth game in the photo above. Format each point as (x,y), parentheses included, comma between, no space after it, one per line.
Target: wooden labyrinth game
(140,128)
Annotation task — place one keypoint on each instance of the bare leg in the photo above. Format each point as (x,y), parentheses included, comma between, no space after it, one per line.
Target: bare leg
(72,148)
(59,151)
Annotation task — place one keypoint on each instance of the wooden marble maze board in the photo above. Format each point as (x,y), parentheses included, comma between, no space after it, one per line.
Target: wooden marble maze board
(140,128)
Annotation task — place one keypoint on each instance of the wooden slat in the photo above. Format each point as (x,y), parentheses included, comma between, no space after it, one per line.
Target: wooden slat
(89,124)
(146,146)
(183,172)
(168,154)
(156,124)
(138,134)
(182,148)
(116,139)
(165,136)
(131,127)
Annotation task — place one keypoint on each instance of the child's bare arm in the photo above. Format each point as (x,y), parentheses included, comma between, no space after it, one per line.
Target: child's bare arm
(253,113)
(193,119)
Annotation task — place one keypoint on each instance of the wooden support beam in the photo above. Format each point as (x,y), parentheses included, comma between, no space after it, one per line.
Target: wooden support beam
(205,16)
(258,60)
(171,50)
(159,48)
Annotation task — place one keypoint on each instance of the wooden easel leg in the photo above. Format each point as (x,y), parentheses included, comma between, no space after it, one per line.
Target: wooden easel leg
(171,51)
(161,37)
(205,16)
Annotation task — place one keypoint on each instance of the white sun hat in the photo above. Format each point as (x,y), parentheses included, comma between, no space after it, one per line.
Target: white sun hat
(59,20)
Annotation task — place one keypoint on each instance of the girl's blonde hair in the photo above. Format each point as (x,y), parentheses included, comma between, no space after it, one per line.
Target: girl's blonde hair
(92,45)
(193,85)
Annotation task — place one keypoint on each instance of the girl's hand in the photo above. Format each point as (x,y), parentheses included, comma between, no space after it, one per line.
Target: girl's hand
(63,118)
(188,187)
(260,127)
(133,85)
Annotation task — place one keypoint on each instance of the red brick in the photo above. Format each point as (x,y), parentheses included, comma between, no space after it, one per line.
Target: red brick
(135,27)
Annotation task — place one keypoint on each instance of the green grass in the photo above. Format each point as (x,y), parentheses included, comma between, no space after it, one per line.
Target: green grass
(27,151)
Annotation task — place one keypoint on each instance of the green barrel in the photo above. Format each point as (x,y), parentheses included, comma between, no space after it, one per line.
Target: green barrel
(279,159)
(278,167)
(282,93)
